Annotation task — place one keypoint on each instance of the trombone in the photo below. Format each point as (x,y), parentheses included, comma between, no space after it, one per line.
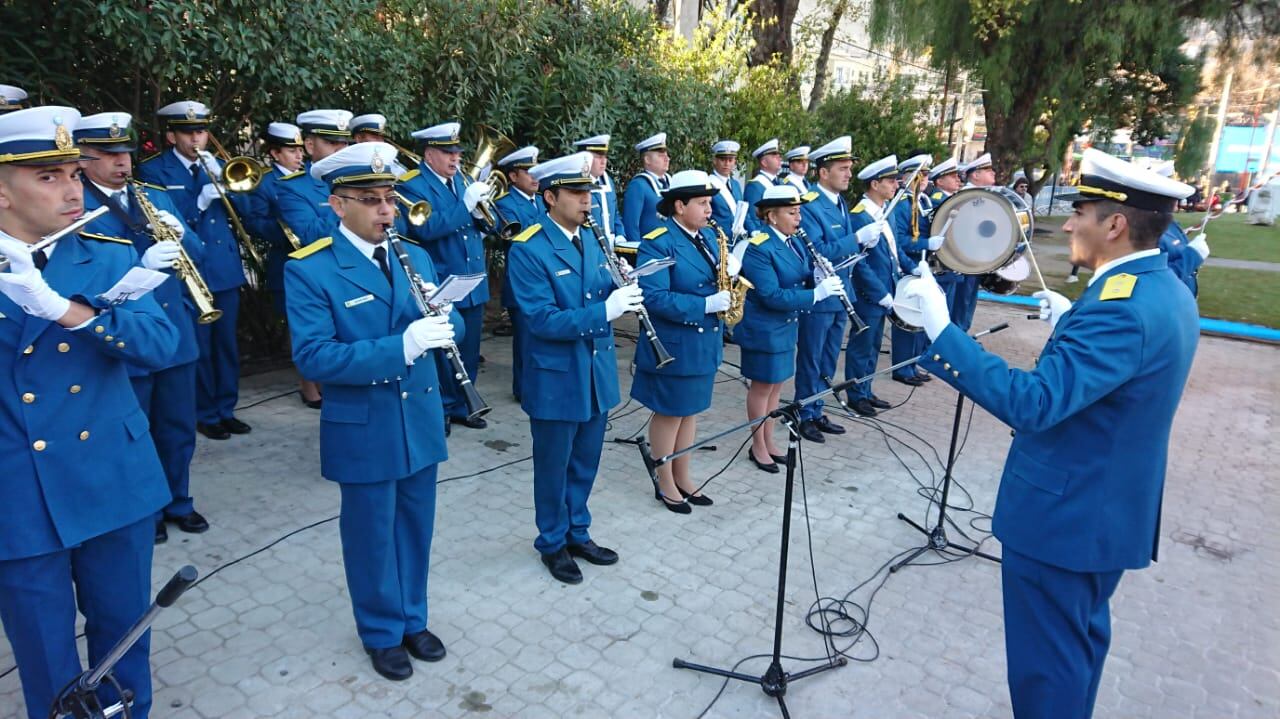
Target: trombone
(414,158)
(241,174)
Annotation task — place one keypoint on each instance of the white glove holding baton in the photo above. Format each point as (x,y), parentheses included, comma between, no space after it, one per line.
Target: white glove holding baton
(25,285)
(628,298)
(829,287)
(1200,245)
(161,256)
(1052,306)
(425,334)
(719,302)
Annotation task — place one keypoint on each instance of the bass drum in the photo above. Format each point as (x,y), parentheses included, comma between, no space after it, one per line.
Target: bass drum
(983,228)
(1005,280)
(906,314)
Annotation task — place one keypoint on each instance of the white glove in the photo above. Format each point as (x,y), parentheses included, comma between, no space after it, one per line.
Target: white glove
(627,298)
(886,301)
(869,236)
(210,163)
(208,195)
(929,298)
(161,256)
(174,223)
(1052,306)
(1200,246)
(918,270)
(935,242)
(830,287)
(475,192)
(425,334)
(626,266)
(734,264)
(719,302)
(24,284)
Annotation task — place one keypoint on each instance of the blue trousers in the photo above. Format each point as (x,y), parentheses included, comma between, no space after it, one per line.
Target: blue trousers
(863,352)
(169,399)
(821,334)
(386,530)
(566,456)
(903,346)
(108,578)
(1057,628)
(473,320)
(518,341)
(218,369)
(964,301)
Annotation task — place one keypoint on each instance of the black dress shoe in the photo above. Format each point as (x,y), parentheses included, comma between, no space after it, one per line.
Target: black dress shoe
(424,646)
(701,500)
(809,430)
(864,408)
(392,663)
(213,431)
(924,376)
(771,467)
(594,553)
(779,458)
(312,403)
(162,534)
(562,566)
(680,507)
(235,426)
(193,523)
(912,381)
(472,422)
(826,425)
(879,403)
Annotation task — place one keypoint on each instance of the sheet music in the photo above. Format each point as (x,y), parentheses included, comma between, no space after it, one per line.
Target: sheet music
(651,267)
(455,288)
(137,282)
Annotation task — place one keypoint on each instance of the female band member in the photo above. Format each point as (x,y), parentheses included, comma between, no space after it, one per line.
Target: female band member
(683,301)
(775,264)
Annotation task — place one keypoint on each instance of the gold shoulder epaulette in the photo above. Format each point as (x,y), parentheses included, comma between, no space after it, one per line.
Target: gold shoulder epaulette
(857,208)
(408,176)
(655,233)
(937,195)
(758,237)
(292,175)
(105,238)
(1118,287)
(527,233)
(809,196)
(150,157)
(311,249)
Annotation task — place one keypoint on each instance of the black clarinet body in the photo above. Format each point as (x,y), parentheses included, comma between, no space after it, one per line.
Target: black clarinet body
(620,279)
(828,270)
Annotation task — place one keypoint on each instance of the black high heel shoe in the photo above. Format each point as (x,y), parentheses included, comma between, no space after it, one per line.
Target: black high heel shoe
(779,458)
(771,468)
(700,500)
(680,507)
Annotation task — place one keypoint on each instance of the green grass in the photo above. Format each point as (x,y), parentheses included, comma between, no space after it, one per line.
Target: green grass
(1230,236)
(1242,295)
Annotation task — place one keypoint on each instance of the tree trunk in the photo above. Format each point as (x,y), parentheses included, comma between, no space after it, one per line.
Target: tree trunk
(820,68)
(772,30)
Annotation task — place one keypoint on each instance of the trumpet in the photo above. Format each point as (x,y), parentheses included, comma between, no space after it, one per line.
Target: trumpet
(68,230)
(476,406)
(183,266)
(416,212)
(736,286)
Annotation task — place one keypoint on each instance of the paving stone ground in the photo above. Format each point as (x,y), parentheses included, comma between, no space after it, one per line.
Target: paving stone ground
(1197,635)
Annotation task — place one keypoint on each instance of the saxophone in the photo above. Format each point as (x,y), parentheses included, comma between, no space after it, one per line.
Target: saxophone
(183,266)
(736,286)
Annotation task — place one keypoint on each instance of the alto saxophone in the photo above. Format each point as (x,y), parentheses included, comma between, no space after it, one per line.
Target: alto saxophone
(183,266)
(736,286)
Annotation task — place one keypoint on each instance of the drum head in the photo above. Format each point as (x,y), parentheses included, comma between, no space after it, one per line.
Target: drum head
(982,231)
(1016,271)
(906,312)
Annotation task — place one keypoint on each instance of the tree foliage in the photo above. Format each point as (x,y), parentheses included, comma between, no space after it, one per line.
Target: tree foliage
(1193,147)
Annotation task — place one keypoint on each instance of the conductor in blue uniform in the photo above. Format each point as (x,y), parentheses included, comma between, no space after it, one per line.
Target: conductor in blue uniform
(640,204)
(567,300)
(724,204)
(520,204)
(776,264)
(683,303)
(452,235)
(167,393)
(604,194)
(82,483)
(769,164)
(358,331)
(1079,501)
(826,222)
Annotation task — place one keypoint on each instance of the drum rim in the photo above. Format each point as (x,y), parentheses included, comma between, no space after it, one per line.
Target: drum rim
(964,194)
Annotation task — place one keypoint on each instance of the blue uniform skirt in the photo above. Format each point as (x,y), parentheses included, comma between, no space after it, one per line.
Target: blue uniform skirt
(673,396)
(768,367)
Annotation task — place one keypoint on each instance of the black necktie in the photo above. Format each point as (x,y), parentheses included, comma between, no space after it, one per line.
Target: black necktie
(577,242)
(380,254)
(39,259)
(666,183)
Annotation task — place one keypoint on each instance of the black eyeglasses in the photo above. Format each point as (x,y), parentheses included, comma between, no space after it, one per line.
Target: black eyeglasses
(371,201)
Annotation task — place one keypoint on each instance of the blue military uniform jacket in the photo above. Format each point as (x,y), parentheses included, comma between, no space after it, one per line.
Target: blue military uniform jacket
(676,301)
(878,274)
(1183,261)
(910,228)
(172,295)
(381,419)
(936,198)
(829,227)
(450,234)
(751,194)
(640,205)
(1084,478)
(605,192)
(781,279)
(302,203)
(571,369)
(260,219)
(78,456)
(721,212)
(515,206)
(221,265)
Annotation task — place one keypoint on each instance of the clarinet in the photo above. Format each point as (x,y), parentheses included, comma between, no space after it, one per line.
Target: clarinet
(824,265)
(476,406)
(620,279)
